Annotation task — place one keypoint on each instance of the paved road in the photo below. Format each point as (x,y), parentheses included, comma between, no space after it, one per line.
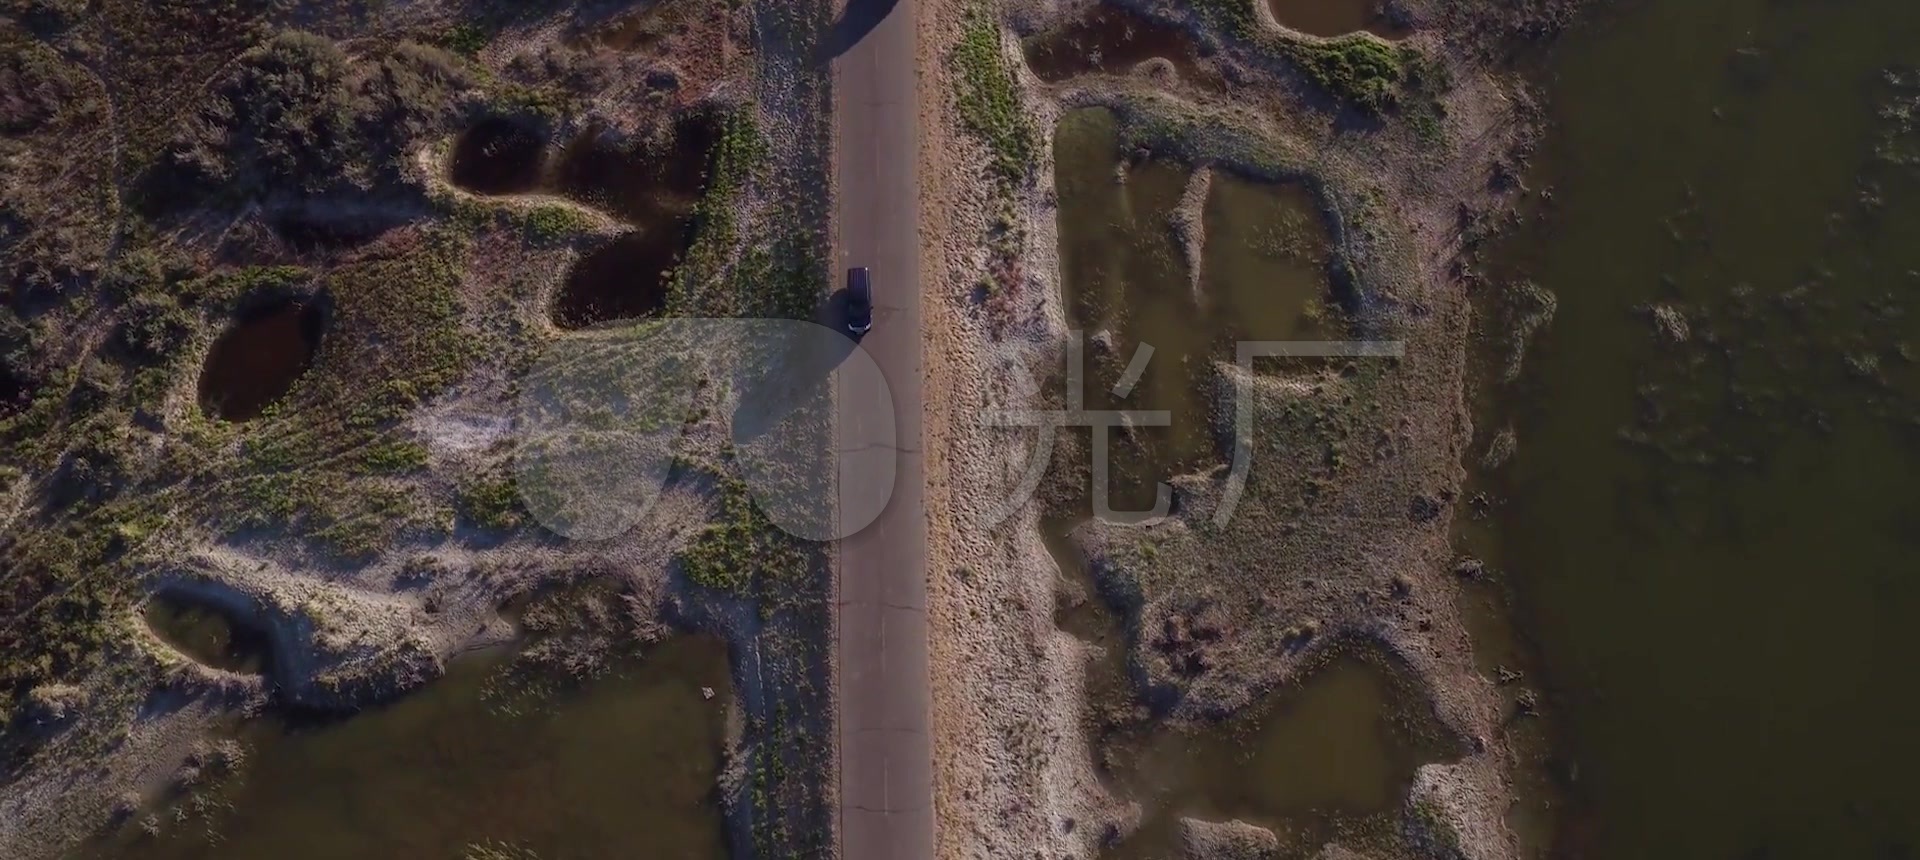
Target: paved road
(885,695)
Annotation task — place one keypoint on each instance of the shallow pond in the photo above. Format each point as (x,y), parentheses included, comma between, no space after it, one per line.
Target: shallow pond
(639,180)
(257,361)
(635,32)
(1331,757)
(623,279)
(646,28)
(652,183)
(624,766)
(1710,515)
(1128,285)
(209,637)
(655,186)
(1312,760)
(1113,40)
(1335,17)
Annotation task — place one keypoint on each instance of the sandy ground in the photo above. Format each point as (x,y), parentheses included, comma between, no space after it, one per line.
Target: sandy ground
(1014,770)
(1015,774)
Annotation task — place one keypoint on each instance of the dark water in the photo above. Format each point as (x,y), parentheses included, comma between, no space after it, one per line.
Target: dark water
(257,361)
(639,180)
(1335,17)
(1711,518)
(623,767)
(499,155)
(652,183)
(655,185)
(1113,40)
(643,29)
(637,32)
(626,278)
(308,233)
(208,637)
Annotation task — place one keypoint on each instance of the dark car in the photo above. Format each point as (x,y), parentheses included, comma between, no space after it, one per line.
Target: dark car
(859,300)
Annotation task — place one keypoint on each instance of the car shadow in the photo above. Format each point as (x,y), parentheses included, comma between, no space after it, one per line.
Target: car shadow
(859,19)
(836,311)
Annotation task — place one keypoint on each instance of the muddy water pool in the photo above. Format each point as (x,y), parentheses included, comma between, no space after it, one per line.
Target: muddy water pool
(625,765)
(499,155)
(1128,285)
(208,637)
(652,183)
(1329,758)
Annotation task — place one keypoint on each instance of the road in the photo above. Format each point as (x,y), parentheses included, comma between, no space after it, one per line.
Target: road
(885,695)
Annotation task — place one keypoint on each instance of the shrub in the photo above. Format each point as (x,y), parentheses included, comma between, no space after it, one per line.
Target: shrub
(492,504)
(136,272)
(553,223)
(408,94)
(33,88)
(466,39)
(1359,69)
(1231,16)
(152,328)
(727,554)
(393,456)
(19,343)
(284,116)
(297,115)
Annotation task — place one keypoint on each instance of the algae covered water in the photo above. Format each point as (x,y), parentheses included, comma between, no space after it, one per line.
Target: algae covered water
(1131,290)
(1710,519)
(480,765)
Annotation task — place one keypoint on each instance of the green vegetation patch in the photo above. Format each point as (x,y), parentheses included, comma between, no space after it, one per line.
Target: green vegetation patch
(1423,100)
(702,285)
(989,100)
(61,591)
(551,223)
(492,503)
(467,39)
(1227,16)
(57,163)
(162,53)
(1358,69)
(744,547)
